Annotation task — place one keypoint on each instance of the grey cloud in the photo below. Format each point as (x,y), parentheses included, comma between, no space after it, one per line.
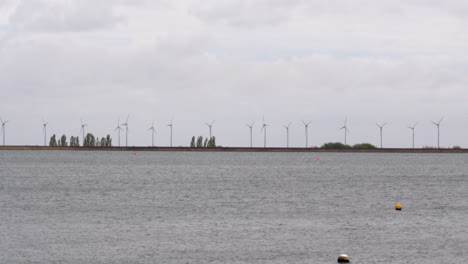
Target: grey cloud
(288,64)
(64,16)
(244,13)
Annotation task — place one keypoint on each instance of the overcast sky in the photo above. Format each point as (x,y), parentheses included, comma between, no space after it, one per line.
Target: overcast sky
(234,61)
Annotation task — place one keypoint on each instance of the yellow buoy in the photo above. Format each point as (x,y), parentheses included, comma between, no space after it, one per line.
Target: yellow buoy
(398,207)
(343,258)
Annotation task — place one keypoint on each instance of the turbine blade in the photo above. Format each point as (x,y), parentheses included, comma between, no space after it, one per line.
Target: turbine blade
(441,119)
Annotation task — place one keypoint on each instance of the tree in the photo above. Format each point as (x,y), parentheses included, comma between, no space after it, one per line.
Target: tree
(74,141)
(89,141)
(53,141)
(206,143)
(212,142)
(108,141)
(63,141)
(192,143)
(103,142)
(335,145)
(364,146)
(199,142)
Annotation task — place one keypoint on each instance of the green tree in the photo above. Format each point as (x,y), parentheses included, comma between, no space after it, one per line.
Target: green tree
(205,144)
(74,141)
(199,142)
(103,142)
(335,145)
(89,141)
(108,141)
(63,141)
(53,141)
(364,146)
(211,142)
(192,143)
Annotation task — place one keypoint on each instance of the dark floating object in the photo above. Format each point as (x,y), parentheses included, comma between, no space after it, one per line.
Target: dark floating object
(343,258)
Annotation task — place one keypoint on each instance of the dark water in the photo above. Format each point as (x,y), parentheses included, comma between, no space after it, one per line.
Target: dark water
(113,207)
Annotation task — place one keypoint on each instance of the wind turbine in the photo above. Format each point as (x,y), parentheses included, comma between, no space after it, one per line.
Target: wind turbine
(126,130)
(381,127)
(153,131)
(438,130)
(119,128)
(345,127)
(264,128)
(3,129)
(287,134)
(210,126)
(307,132)
(412,128)
(250,127)
(171,125)
(44,129)
(83,125)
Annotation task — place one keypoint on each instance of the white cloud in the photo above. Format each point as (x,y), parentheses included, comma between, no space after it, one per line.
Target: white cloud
(63,16)
(235,61)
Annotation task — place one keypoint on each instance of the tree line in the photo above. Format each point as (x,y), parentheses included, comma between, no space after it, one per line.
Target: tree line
(89,141)
(339,145)
(200,143)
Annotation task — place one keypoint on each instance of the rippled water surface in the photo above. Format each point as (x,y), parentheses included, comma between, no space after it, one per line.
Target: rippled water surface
(176,207)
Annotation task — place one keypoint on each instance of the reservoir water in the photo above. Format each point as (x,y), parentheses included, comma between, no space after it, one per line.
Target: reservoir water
(207,207)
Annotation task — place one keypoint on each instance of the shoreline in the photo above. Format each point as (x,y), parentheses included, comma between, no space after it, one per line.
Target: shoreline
(233,149)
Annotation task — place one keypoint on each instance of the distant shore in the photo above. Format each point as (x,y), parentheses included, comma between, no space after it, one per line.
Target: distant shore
(236,149)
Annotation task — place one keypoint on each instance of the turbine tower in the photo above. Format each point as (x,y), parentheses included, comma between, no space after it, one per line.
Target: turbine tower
(412,128)
(126,131)
(153,131)
(438,130)
(287,134)
(250,127)
(3,129)
(345,127)
(381,127)
(306,125)
(118,128)
(83,125)
(170,126)
(264,129)
(44,129)
(210,125)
